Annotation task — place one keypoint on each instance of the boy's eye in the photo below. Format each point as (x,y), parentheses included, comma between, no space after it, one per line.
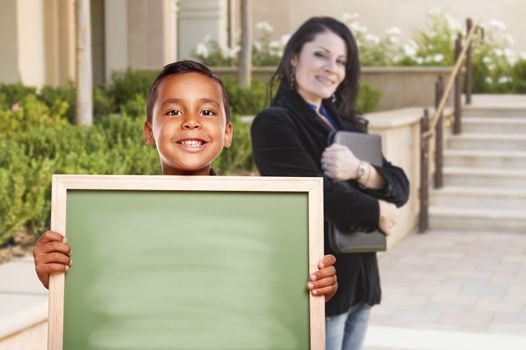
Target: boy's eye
(208,113)
(174,112)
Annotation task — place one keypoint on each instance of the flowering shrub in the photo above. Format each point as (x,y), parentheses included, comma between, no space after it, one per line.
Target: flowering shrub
(265,52)
(374,50)
(493,60)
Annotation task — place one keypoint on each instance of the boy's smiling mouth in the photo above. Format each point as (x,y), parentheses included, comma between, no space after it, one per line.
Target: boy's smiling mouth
(192,145)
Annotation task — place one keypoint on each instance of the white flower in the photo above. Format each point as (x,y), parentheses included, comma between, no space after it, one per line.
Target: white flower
(419,60)
(453,24)
(495,24)
(285,39)
(373,39)
(264,26)
(504,80)
(498,52)
(434,12)
(257,45)
(508,53)
(438,57)
(274,45)
(523,55)
(486,60)
(393,31)
(394,40)
(489,80)
(232,52)
(349,17)
(226,52)
(357,27)
(509,39)
(409,50)
(201,50)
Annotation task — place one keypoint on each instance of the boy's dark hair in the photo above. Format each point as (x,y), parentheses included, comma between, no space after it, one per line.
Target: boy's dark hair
(180,67)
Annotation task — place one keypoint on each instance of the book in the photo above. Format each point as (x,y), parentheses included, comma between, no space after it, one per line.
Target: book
(366,147)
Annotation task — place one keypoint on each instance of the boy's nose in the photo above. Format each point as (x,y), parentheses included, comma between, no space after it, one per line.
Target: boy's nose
(191,123)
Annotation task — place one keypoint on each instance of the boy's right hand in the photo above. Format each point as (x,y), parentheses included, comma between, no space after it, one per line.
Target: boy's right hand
(52,255)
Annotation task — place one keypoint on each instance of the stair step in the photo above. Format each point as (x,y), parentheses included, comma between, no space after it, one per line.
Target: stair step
(444,218)
(485,159)
(492,142)
(474,177)
(496,125)
(493,111)
(479,197)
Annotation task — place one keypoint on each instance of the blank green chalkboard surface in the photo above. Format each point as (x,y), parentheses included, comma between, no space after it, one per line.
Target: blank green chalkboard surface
(201,262)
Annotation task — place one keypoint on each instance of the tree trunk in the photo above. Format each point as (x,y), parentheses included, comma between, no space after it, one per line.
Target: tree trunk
(245,63)
(84,77)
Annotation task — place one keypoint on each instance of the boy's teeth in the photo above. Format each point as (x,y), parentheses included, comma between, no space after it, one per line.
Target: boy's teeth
(192,143)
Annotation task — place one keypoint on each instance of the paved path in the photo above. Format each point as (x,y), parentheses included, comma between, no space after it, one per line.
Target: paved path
(452,290)
(441,291)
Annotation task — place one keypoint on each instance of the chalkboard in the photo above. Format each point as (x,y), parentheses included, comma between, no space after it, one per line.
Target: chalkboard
(194,262)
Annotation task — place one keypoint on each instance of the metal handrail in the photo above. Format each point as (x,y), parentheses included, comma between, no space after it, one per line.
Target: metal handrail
(456,70)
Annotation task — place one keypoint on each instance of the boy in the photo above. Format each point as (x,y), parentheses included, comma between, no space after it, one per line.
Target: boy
(188,120)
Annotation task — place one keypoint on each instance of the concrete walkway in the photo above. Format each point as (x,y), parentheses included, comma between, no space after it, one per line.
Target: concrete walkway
(441,290)
(452,290)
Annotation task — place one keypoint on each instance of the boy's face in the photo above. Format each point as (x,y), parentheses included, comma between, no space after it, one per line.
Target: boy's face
(189,125)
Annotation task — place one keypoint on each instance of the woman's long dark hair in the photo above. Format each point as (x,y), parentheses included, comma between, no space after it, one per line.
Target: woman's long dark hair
(347,91)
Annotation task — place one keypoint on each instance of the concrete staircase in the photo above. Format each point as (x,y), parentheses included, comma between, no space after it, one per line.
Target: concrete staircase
(485,169)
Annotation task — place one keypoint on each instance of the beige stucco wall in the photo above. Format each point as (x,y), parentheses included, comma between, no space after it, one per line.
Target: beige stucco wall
(198,19)
(59,41)
(8,41)
(22,42)
(379,15)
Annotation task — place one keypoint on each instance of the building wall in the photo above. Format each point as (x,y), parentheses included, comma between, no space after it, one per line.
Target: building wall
(9,72)
(379,15)
(116,36)
(59,41)
(198,19)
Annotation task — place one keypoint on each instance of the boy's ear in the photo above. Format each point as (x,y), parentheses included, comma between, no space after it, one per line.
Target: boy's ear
(229,131)
(148,134)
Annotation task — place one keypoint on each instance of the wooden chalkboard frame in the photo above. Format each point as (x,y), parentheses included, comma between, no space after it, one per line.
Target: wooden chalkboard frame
(312,186)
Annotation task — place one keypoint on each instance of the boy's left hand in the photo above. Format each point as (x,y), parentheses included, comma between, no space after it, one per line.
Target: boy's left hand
(323,282)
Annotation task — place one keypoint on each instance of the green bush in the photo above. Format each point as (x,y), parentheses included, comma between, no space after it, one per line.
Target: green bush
(135,107)
(11,94)
(367,99)
(238,158)
(246,101)
(518,76)
(37,141)
(125,85)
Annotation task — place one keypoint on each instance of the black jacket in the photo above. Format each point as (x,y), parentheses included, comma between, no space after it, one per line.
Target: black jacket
(288,140)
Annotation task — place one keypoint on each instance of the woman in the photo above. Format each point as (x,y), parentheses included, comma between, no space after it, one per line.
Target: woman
(318,84)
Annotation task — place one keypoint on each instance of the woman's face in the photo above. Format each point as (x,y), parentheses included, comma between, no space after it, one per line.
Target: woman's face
(320,67)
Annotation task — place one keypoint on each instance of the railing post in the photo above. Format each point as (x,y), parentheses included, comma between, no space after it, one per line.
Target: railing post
(423,221)
(458,90)
(469,65)
(439,138)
